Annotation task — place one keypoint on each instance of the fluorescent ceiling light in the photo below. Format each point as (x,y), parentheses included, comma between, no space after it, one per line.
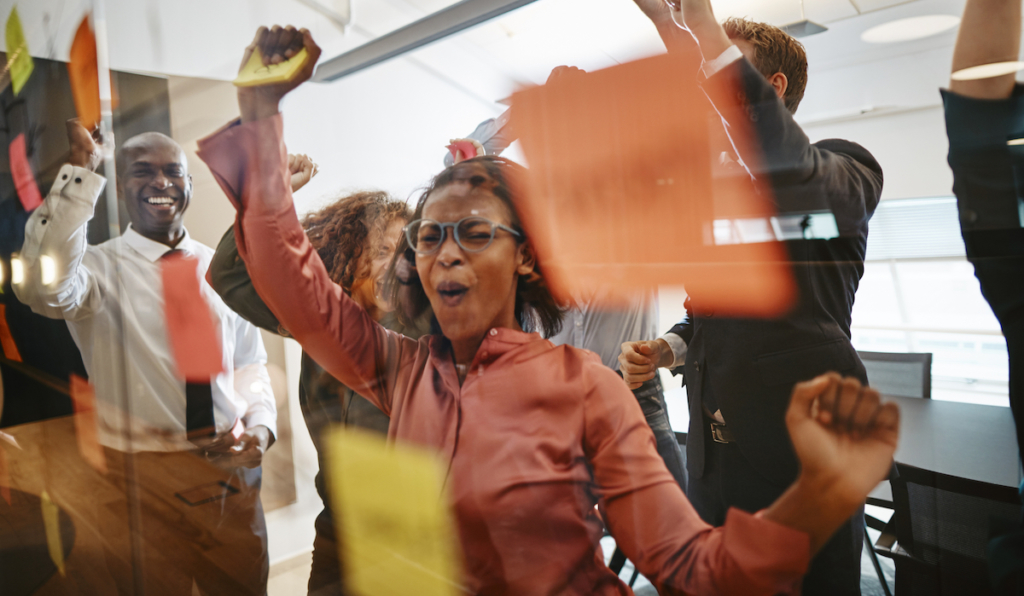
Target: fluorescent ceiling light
(912,28)
(987,71)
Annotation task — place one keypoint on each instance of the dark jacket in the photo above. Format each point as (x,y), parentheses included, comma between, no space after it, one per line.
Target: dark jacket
(751,365)
(988,180)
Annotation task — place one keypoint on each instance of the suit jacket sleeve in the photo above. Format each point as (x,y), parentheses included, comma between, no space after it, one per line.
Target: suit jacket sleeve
(831,175)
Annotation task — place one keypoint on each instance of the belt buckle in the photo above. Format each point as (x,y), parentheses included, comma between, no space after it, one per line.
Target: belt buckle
(716,433)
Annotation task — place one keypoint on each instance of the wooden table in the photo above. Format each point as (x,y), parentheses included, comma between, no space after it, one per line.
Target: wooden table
(965,440)
(104,554)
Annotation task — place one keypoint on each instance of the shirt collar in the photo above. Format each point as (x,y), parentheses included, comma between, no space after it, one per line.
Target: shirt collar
(153,250)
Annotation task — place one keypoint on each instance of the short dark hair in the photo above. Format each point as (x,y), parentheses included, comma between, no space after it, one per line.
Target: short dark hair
(535,309)
(774,51)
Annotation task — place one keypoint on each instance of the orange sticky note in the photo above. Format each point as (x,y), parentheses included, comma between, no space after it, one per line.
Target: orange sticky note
(6,339)
(84,399)
(624,191)
(190,328)
(83,73)
(24,179)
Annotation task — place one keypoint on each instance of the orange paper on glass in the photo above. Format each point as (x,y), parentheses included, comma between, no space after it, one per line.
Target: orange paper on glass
(84,400)
(10,348)
(190,329)
(623,191)
(83,72)
(21,171)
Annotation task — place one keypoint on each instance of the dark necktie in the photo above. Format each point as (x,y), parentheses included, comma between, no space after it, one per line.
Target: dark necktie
(199,421)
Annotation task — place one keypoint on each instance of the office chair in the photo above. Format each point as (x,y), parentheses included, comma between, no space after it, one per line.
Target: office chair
(897,373)
(939,532)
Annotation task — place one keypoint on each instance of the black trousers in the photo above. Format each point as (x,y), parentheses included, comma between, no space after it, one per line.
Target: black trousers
(730,481)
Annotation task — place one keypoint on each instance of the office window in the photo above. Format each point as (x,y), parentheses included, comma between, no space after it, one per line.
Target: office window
(919,294)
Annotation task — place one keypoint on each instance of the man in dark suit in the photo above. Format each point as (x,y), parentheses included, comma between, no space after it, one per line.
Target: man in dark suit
(984,121)
(738,372)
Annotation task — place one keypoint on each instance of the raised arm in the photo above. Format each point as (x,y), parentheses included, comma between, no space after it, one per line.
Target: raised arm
(56,233)
(989,32)
(845,440)
(249,161)
(228,275)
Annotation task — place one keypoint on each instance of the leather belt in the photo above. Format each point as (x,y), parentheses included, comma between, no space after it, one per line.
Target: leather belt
(720,433)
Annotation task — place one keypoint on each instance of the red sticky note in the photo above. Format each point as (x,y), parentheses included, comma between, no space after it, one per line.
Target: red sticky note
(190,327)
(24,179)
(624,191)
(10,349)
(84,399)
(467,148)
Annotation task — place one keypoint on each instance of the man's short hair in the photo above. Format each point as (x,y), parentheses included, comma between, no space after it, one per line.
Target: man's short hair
(774,51)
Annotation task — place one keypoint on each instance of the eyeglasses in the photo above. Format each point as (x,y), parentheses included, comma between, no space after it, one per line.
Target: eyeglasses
(472,234)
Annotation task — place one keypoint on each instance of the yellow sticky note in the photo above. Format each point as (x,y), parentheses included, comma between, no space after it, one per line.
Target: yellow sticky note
(51,520)
(19,61)
(393,518)
(256,73)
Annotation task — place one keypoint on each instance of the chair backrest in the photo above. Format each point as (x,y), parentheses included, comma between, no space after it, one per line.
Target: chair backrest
(945,522)
(898,373)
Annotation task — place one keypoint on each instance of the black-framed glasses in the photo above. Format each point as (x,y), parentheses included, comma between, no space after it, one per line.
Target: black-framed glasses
(472,234)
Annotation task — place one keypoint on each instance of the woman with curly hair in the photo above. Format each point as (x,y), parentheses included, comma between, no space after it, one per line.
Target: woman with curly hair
(355,237)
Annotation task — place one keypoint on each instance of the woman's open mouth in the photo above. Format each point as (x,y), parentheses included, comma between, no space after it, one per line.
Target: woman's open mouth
(451,293)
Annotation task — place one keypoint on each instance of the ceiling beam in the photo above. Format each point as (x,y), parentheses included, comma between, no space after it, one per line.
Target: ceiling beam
(429,29)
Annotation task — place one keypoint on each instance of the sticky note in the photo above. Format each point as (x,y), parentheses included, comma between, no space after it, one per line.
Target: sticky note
(625,192)
(256,73)
(84,400)
(21,171)
(190,328)
(393,516)
(83,74)
(19,61)
(51,521)
(466,148)
(10,348)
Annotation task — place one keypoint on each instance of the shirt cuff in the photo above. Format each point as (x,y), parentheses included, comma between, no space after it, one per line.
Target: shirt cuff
(678,349)
(730,55)
(977,123)
(261,417)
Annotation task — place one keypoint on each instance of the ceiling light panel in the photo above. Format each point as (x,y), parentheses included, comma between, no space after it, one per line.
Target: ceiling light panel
(911,28)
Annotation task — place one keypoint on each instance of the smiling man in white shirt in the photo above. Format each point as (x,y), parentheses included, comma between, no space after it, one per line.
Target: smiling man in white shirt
(112,298)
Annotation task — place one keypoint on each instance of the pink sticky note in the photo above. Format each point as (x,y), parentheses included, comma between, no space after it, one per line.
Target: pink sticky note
(84,399)
(24,179)
(466,148)
(190,328)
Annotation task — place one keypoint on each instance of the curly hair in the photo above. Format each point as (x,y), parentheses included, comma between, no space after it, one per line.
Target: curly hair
(535,308)
(340,231)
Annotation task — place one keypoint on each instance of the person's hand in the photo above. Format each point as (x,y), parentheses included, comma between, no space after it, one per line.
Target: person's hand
(640,360)
(844,438)
(656,10)
(276,45)
(302,170)
(251,446)
(564,73)
(460,156)
(85,147)
(843,435)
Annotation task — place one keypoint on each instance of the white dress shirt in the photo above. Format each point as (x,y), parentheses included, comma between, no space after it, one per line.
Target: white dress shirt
(111,296)
(601,325)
